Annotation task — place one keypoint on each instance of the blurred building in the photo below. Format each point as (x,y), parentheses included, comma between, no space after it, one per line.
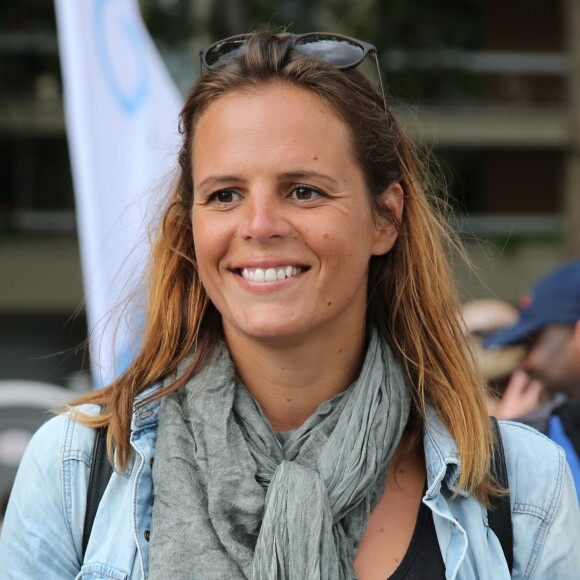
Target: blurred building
(40,279)
(494,88)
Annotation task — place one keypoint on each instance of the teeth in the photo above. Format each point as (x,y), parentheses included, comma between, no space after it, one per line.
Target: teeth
(270,274)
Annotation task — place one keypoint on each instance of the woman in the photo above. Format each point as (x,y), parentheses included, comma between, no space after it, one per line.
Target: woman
(303,404)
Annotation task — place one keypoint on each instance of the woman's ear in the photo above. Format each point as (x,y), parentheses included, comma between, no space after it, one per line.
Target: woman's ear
(386,229)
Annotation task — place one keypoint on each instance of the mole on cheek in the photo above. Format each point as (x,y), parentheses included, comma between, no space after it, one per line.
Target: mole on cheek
(315,157)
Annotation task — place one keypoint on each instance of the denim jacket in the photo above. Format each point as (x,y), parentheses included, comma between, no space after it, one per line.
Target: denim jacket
(42,532)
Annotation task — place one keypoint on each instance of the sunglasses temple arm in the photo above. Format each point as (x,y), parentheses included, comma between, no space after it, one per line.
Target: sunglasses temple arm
(376,57)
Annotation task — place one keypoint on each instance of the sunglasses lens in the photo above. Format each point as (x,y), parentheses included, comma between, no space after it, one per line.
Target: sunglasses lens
(339,52)
(223,50)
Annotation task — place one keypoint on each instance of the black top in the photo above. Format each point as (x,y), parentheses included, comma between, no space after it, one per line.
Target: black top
(423,557)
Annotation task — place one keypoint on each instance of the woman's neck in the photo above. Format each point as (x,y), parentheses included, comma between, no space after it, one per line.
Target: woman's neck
(291,380)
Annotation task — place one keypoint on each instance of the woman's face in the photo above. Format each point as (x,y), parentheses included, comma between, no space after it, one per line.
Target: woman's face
(283,227)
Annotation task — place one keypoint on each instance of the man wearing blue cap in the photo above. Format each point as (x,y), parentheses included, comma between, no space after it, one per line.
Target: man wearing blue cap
(549,325)
(549,328)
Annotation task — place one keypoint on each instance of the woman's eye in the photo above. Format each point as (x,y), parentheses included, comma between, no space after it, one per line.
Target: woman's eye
(305,193)
(225,196)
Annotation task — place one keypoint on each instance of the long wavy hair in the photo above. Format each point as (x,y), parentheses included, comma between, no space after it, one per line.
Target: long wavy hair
(412,298)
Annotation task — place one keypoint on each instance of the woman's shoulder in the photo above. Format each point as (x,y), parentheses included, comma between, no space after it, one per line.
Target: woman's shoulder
(536,467)
(48,499)
(524,439)
(65,437)
(545,516)
(523,443)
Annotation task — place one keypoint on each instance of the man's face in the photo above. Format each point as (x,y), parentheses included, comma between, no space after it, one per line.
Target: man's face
(553,358)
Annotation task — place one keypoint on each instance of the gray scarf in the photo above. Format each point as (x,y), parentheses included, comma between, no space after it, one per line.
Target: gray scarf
(235,500)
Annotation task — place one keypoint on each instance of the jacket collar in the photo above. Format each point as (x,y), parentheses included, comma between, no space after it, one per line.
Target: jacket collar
(441,456)
(146,416)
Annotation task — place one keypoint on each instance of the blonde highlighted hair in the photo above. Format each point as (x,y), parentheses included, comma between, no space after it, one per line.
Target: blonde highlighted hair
(412,298)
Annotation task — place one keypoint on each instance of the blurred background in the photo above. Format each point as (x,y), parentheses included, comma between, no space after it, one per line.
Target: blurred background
(492,86)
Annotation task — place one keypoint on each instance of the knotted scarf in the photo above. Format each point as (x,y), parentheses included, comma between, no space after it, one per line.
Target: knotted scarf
(235,500)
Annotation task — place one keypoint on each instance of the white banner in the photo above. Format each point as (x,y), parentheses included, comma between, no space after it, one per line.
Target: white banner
(121,109)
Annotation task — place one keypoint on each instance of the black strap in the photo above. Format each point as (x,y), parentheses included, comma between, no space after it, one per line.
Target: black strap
(101,472)
(500,514)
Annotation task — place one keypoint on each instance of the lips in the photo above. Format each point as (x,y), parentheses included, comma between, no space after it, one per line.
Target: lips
(272,274)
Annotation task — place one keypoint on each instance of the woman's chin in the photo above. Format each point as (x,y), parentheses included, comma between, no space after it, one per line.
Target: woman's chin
(266,330)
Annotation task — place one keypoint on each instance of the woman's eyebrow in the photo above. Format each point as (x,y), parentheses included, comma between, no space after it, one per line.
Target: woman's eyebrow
(219,180)
(305,175)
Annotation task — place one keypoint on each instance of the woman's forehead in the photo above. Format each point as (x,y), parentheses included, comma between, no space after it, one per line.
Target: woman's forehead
(277,120)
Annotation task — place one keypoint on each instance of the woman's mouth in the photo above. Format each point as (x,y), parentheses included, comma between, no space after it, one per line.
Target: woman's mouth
(275,274)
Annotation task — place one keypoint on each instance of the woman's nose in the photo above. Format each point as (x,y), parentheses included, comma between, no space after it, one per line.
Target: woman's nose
(265,219)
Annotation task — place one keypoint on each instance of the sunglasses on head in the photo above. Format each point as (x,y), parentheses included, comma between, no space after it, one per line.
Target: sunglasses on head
(342,52)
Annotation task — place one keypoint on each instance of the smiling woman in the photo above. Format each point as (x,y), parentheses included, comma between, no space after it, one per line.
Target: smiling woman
(304,403)
(291,196)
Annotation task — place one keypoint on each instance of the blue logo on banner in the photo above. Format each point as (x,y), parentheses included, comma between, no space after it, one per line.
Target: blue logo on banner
(130,99)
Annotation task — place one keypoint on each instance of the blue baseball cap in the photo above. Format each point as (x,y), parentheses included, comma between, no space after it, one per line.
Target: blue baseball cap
(555,299)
